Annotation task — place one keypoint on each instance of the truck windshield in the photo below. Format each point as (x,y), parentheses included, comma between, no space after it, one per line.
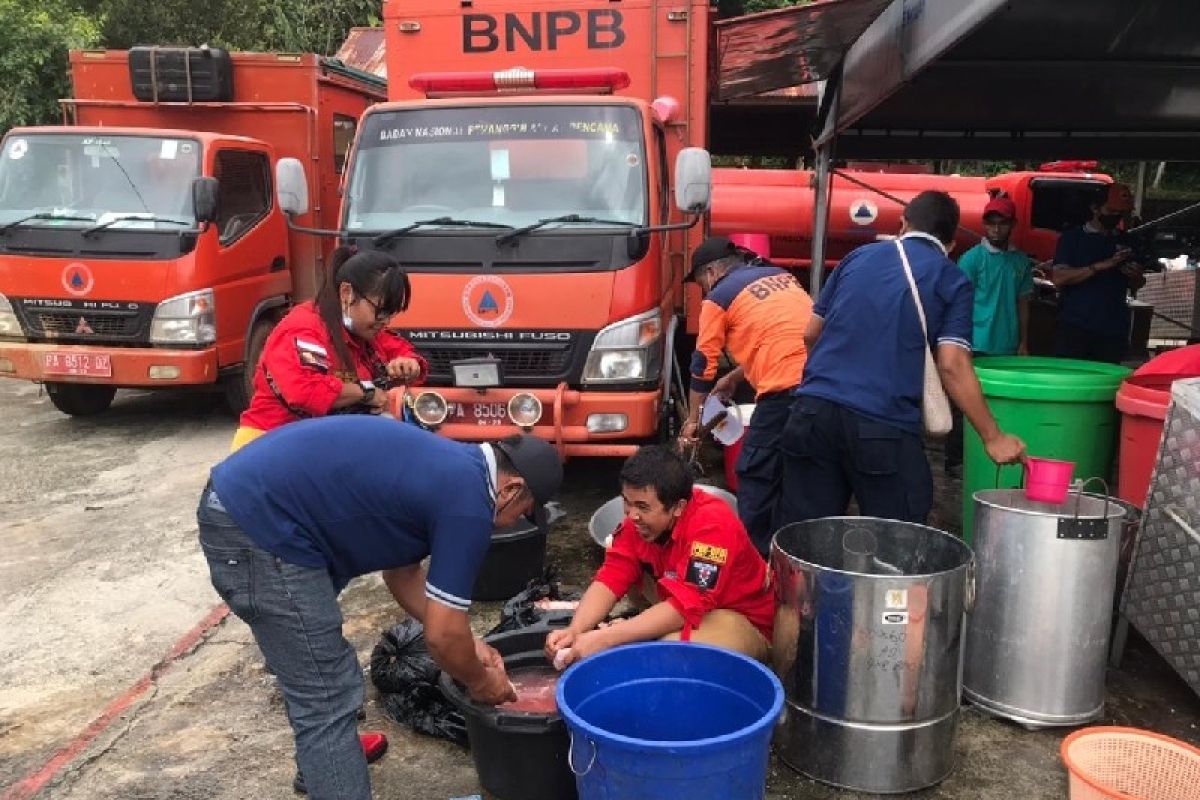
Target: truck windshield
(510,165)
(81,181)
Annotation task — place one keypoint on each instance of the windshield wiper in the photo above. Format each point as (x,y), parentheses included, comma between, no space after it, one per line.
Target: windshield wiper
(8,226)
(130,218)
(541,223)
(383,238)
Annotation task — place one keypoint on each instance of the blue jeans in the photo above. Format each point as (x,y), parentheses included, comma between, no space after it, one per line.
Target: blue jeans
(759,469)
(294,616)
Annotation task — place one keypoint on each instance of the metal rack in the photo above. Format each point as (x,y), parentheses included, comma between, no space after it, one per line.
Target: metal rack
(1162,591)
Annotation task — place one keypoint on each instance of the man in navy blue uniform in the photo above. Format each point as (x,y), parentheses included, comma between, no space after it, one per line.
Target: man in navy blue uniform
(855,428)
(1094,271)
(290,519)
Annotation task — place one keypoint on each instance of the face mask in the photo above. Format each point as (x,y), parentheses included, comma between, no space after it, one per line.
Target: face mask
(1109,221)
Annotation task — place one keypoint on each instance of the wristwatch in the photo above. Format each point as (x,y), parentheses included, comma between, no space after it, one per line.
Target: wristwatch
(368,390)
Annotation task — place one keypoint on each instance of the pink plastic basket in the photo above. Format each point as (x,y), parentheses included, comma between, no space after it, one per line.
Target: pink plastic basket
(1110,763)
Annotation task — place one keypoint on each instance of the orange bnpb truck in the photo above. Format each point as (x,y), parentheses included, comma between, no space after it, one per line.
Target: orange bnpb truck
(140,242)
(523,172)
(537,171)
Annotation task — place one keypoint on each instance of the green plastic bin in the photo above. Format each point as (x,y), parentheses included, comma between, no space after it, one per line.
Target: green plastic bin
(1060,407)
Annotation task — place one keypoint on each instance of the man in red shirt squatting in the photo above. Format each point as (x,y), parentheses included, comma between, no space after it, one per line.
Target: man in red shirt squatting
(710,584)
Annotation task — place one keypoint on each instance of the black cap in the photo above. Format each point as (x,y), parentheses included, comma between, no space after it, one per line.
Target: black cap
(711,249)
(537,461)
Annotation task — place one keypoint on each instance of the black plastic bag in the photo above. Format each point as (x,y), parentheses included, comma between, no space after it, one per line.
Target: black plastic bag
(527,609)
(407,679)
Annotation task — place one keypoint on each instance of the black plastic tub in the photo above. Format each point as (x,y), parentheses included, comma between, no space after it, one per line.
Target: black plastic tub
(518,755)
(516,556)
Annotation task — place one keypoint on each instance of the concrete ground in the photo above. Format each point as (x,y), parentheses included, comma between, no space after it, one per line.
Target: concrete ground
(101,578)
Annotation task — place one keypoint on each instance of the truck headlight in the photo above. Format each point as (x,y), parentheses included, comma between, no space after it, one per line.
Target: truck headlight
(185,319)
(9,326)
(430,408)
(627,351)
(524,410)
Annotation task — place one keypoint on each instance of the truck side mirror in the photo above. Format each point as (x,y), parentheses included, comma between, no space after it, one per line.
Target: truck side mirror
(693,180)
(291,187)
(205,199)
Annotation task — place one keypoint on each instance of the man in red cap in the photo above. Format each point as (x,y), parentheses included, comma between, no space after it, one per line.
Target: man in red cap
(1094,272)
(1003,281)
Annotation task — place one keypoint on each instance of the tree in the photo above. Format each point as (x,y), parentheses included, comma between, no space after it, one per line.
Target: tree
(297,26)
(34,40)
(735,8)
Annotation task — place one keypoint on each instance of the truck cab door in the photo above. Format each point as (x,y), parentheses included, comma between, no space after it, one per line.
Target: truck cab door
(251,269)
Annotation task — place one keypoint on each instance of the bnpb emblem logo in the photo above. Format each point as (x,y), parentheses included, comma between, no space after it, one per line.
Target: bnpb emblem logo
(487,301)
(77,279)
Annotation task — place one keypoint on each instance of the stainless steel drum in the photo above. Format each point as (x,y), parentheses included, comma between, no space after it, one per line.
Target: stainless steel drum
(868,644)
(1037,643)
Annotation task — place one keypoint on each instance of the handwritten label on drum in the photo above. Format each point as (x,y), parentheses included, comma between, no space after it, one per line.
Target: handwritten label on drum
(895,599)
(895,618)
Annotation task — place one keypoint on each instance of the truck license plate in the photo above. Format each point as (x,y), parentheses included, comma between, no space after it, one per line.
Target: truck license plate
(486,414)
(87,365)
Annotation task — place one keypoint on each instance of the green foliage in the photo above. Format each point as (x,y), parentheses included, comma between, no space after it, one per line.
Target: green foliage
(310,26)
(34,40)
(735,8)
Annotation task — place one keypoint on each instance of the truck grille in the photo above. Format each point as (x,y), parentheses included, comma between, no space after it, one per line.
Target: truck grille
(515,362)
(82,321)
(69,324)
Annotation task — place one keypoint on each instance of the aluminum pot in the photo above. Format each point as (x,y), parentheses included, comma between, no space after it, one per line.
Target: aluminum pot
(868,643)
(1038,640)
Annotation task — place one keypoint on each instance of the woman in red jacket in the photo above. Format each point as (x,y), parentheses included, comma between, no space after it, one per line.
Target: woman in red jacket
(333,355)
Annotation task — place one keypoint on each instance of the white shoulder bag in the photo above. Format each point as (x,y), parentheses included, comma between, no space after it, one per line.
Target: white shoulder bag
(935,406)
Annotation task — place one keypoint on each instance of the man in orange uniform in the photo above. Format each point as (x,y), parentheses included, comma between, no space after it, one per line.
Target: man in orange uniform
(758,313)
(704,579)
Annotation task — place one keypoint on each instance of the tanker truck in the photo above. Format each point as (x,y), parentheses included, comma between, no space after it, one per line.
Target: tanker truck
(864,205)
(522,171)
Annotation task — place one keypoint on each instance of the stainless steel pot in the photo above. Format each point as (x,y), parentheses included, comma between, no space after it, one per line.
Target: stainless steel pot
(868,644)
(1038,638)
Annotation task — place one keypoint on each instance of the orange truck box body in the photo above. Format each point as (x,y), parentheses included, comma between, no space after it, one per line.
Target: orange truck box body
(282,106)
(547,310)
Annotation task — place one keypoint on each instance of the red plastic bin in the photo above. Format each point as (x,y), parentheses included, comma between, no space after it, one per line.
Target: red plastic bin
(1143,402)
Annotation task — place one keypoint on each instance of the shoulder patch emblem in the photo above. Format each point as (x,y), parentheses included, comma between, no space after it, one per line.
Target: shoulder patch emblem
(708,552)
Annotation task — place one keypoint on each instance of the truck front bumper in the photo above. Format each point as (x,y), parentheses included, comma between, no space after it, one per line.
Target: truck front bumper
(479,415)
(126,366)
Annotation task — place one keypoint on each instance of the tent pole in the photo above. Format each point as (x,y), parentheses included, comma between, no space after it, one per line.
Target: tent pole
(823,179)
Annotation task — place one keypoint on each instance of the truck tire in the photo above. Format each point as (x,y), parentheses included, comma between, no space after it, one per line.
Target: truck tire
(81,399)
(239,387)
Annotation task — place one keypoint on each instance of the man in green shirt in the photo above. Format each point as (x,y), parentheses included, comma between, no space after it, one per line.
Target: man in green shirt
(1003,281)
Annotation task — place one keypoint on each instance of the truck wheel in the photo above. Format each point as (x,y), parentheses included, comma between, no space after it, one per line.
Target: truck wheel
(239,388)
(81,399)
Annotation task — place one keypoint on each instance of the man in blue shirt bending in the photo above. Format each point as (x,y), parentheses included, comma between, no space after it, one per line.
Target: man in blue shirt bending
(290,519)
(855,428)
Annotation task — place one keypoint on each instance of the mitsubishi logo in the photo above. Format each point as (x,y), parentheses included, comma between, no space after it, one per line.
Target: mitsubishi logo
(83,327)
